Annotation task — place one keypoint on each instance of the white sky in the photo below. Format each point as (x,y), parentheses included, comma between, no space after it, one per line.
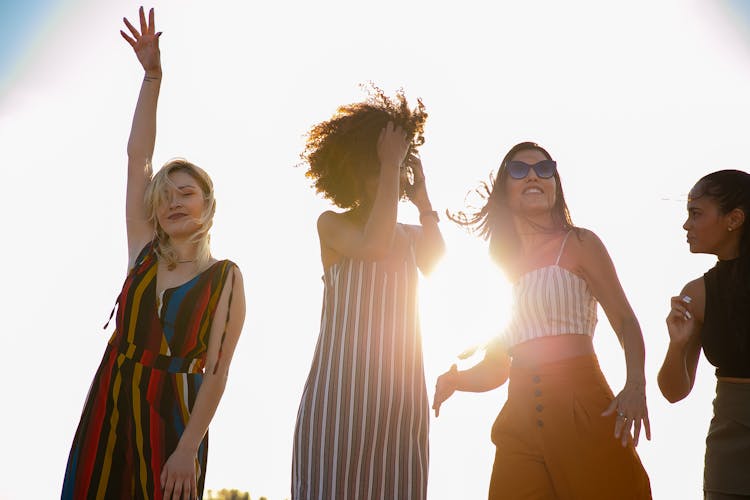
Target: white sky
(635,102)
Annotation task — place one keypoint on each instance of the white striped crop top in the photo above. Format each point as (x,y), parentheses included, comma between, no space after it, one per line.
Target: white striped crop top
(548,301)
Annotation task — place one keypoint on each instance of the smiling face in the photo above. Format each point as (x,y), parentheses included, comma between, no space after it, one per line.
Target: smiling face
(181,207)
(532,195)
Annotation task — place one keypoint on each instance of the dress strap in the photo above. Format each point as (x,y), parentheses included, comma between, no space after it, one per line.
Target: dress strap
(145,252)
(226,323)
(562,247)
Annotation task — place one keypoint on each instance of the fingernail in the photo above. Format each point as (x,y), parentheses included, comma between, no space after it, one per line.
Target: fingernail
(688,315)
(687,299)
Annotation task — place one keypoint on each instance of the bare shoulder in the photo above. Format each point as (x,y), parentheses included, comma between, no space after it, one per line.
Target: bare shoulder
(237,276)
(696,291)
(328,220)
(588,239)
(331,225)
(586,246)
(695,288)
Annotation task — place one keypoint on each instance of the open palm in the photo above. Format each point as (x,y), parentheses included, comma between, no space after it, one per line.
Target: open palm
(146,42)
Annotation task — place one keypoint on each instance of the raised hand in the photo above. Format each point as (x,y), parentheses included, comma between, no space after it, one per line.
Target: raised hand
(417,192)
(145,43)
(392,146)
(680,321)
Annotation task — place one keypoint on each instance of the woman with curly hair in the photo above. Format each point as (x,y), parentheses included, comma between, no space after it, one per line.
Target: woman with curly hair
(362,425)
(143,432)
(562,433)
(712,314)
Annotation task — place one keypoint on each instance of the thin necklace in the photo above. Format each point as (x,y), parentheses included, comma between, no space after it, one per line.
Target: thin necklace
(184,261)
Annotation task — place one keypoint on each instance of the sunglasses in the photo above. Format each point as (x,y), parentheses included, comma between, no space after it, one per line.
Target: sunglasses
(543,169)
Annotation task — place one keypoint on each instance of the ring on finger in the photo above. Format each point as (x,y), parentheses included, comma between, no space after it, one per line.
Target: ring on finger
(622,415)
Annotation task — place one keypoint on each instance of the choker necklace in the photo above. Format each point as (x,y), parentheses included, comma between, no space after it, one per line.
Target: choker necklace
(184,261)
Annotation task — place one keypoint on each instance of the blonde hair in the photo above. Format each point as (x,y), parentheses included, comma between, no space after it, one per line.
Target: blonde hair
(157,194)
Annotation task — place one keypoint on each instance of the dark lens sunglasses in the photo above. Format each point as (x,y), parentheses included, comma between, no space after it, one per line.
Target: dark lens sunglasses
(544,169)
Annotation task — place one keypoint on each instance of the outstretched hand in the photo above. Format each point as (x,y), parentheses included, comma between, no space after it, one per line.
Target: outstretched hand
(145,43)
(444,388)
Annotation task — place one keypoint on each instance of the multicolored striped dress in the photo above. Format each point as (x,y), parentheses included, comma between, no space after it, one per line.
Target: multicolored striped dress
(362,425)
(145,387)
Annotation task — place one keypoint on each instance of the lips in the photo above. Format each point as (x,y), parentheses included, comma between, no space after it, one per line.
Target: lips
(532,190)
(176,216)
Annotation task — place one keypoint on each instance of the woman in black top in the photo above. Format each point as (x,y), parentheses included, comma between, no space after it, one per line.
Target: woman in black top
(712,313)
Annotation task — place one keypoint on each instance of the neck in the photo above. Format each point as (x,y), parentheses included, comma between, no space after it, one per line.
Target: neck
(730,249)
(187,251)
(535,230)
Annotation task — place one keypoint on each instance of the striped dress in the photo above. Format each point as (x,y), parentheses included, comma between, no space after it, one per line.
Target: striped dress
(362,424)
(145,387)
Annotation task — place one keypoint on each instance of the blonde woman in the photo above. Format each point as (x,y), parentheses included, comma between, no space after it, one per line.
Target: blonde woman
(144,428)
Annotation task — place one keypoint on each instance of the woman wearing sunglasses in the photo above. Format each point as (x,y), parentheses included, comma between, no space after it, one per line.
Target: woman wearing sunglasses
(562,433)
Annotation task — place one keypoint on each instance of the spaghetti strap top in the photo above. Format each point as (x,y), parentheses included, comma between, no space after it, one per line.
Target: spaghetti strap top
(549,301)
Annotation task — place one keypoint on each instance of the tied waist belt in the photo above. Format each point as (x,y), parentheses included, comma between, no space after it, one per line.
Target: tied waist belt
(151,359)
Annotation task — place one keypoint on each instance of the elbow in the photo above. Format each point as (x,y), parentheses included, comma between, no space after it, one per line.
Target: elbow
(673,397)
(670,392)
(215,381)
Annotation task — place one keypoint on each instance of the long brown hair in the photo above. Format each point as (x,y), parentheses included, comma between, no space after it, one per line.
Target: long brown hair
(494,221)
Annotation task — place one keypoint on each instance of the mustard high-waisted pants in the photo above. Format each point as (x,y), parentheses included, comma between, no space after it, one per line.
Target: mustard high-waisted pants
(553,443)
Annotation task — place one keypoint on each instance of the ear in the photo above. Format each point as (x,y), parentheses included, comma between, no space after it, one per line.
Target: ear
(735,219)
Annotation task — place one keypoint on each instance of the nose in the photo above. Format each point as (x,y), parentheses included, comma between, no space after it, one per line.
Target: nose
(686,226)
(174,200)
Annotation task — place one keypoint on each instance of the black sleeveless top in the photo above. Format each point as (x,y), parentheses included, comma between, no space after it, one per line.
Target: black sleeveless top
(725,335)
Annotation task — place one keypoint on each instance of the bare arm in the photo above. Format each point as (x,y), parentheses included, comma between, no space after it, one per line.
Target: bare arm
(142,132)
(684,322)
(600,274)
(373,242)
(488,374)
(178,473)
(430,243)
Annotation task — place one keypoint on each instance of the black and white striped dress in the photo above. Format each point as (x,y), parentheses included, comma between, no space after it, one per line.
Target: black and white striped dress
(362,424)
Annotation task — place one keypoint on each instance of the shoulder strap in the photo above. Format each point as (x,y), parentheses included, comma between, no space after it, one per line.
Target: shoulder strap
(145,252)
(562,247)
(229,270)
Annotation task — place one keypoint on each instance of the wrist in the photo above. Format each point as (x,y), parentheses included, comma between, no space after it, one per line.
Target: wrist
(187,448)
(152,74)
(636,382)
(428,214)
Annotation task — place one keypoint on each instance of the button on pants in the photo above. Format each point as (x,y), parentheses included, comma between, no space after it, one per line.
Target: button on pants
(552,442)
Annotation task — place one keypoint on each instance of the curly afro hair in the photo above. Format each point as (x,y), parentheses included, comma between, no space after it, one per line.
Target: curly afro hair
(342,150)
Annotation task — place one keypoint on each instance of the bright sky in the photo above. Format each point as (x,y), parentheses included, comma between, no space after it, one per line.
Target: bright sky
(636,102)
